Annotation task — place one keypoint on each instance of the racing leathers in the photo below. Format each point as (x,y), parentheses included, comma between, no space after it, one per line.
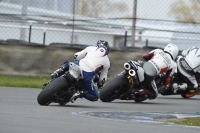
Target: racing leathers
(91,60)
(188,65)
(157,62)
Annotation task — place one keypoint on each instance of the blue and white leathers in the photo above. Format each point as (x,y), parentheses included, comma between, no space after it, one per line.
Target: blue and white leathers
(92,60)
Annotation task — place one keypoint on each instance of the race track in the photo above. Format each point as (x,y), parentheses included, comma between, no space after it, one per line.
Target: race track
(20,113)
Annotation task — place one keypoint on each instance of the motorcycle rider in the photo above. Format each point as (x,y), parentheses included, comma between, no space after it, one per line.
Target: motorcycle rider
(157,62)
(188,65)
(91,60)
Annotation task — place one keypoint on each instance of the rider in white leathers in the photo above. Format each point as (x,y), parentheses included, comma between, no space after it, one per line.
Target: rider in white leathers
(188,66)
(92,60)
(158,62)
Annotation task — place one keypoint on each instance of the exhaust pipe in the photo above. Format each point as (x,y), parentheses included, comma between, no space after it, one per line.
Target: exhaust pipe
(131,72)
(127,66)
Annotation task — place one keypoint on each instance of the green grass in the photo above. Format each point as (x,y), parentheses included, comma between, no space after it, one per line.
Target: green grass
(23,81)
(187,121)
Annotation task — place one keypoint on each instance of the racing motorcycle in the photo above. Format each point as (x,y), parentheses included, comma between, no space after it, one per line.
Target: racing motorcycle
(125,86)
(61,89)
(163,90)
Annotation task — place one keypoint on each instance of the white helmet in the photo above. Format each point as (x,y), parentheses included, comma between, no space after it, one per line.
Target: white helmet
(172,50)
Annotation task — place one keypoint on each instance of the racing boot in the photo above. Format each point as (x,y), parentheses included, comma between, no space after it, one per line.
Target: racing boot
(57,73)
(127,95)
(77,95)
(177,87)
(141,98)
(145,94)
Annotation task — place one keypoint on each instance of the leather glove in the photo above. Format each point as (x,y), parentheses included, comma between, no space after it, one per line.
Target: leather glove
(100,84)
(168,81)
(96,79)
(75,57)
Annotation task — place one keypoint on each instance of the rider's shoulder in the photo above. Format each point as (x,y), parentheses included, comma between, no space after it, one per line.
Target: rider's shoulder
(156,50)
(89,48)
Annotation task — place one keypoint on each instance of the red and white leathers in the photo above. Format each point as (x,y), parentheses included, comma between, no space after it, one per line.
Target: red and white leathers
(94,59)
(162,61)
(158,62)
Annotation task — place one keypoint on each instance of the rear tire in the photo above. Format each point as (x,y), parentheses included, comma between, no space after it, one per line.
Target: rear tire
(138,101)
(189,95)
(185,96)
(108,91)
(45,97)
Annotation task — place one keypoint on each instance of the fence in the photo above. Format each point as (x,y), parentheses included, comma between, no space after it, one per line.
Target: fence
(123,23)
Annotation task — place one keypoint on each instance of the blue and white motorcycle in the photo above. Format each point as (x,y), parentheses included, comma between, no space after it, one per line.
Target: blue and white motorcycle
(61,89)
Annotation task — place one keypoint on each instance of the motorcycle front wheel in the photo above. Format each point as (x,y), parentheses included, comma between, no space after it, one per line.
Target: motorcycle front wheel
(112,89)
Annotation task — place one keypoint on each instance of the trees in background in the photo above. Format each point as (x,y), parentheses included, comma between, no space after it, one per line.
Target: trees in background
(101,8)
(186,10)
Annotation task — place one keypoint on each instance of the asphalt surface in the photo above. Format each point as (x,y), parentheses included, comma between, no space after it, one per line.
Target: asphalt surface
(20,113)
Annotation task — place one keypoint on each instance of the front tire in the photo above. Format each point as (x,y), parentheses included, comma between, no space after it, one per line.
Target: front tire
(45,97)
(109,90)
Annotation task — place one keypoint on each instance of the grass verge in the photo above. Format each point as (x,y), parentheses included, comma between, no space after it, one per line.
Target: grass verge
(38,81)
(23,81)
(186,121)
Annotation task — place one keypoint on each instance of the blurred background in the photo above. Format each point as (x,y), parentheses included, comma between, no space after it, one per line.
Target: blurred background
(124,23)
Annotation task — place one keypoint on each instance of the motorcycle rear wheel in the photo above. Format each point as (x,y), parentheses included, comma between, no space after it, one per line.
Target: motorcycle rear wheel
(109,90)
(189,95)
(45,97)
